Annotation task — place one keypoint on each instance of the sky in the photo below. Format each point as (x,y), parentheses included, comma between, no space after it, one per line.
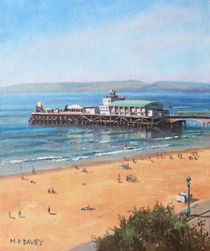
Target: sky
(98,40)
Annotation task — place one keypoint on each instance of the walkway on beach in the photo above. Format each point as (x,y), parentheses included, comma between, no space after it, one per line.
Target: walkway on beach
(199,211)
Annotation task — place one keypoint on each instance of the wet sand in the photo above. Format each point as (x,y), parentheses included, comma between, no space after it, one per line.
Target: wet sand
(159,178)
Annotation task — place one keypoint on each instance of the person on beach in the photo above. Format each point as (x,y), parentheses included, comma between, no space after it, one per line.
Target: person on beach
(194,156)
(51,190)
(33,170)
(150,158)
(49,211)
(19,213)
(119,178)
(180,156)
(10,215)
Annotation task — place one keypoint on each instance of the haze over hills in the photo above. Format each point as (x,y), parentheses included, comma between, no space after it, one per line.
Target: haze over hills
(71,86)
(122,86)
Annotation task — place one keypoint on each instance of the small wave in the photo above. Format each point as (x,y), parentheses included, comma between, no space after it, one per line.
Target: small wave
(104,141)
(52,158)
(16,161)
(168,138)
(118,152)
(165,138)
(159,146)
(80,158)
(181,107)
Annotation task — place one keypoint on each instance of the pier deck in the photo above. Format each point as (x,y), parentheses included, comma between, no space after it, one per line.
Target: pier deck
(204,120)
(67,118)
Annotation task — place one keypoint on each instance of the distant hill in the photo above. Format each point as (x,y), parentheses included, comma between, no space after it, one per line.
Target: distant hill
(122,86)
(71,87)
(167,86)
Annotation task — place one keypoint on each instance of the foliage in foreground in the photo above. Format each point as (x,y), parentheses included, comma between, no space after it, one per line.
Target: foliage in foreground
(159,229)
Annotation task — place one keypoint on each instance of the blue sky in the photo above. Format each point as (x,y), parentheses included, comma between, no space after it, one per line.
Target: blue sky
(93,40)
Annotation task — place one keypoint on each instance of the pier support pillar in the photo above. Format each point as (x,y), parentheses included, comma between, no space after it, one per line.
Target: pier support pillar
(185,126)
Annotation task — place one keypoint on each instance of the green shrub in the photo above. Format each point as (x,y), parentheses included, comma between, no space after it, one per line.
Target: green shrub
(159,229)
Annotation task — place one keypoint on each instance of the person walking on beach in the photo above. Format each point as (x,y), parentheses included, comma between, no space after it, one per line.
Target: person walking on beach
(19,213)
(49,211)
(119,178)
(10,215)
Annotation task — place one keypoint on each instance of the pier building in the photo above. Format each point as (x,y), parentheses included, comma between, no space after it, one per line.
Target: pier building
(142,108)
(104,109)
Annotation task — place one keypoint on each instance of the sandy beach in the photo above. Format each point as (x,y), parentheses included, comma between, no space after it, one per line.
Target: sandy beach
(159,178)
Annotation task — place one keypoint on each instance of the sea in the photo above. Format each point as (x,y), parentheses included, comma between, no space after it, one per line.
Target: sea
(24,147)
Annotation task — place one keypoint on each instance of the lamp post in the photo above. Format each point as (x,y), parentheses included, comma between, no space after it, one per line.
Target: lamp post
(188,179)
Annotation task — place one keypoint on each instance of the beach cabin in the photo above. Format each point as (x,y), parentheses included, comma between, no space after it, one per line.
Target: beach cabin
(183,197)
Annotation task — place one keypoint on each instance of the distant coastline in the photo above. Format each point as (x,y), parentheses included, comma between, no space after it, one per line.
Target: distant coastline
(122,86)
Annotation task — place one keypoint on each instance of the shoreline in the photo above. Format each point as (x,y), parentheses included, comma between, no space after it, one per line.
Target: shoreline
(159,178)
(133,153)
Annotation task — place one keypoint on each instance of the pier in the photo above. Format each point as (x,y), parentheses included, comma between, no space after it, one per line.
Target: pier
(114,111)
(204,120)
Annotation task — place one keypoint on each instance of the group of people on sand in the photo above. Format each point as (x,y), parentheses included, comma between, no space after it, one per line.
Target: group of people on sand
(19,214)
(129,178)
(87,208)
(31,181)
(193,155)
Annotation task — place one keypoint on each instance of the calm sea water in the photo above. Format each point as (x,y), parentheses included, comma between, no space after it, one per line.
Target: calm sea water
(23,147)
